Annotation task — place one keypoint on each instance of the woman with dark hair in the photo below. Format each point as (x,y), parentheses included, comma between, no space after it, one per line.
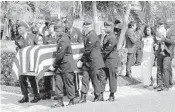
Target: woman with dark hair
(148,56)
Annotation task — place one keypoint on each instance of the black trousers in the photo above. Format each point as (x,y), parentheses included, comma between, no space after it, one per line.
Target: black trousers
(48,83)
(130,62)
(167,71)
(138,56)
(24,84)
(111,74)
(160,75)
(94,76)
(66,79)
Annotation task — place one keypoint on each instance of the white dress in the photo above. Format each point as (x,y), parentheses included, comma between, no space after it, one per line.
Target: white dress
(148,59)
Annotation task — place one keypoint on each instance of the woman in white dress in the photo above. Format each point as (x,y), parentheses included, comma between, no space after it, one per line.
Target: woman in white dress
(148,56)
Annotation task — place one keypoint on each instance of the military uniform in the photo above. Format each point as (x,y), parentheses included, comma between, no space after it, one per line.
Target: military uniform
(111,59)
(92,64)
(131,40)
(64,65)
(24,41)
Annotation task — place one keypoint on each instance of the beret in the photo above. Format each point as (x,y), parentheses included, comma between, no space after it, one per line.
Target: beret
(23,23)
(117,21)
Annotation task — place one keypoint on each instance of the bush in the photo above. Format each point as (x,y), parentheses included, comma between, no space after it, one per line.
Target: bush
(6,68)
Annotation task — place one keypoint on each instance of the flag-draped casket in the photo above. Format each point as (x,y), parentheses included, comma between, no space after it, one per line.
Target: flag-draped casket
(35,60)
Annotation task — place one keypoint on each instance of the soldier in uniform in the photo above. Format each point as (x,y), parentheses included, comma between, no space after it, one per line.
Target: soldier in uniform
(50,37)
(111,58)
(92,63)
(64,66)
(24,40)
(131,41)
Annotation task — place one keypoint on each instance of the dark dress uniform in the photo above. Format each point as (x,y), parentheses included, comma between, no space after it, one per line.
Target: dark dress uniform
(64,65)
(111,59)
(22,42)
(131,41)
(92,64)
(48,39)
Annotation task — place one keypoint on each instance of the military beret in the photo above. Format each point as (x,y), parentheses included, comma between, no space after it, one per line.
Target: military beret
(23,23)
(117,21)
(108,24)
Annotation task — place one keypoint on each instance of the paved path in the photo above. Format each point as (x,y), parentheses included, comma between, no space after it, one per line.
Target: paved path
(128,99)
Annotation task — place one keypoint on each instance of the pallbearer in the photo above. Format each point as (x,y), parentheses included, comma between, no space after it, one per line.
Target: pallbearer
(64,66)
(92,63)
(25,39)
(111,58)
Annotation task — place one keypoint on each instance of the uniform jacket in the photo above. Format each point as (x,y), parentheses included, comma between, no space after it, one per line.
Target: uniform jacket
(64,61)
(31,39)
(92,56)
(110,44)
(131,40)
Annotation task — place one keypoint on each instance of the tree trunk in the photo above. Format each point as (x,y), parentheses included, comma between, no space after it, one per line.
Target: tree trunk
(95,17)
(124,28)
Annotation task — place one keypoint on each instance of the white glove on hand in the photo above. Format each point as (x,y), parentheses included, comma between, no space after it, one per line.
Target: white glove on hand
(79,64)
(51,68)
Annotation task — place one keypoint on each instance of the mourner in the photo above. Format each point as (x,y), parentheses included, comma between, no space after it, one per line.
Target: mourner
(111,58)
(131,41)
(64,67)
(25,39)
(92,63)
(164,68)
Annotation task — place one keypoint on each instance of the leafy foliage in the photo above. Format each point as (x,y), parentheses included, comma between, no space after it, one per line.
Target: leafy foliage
(6,67)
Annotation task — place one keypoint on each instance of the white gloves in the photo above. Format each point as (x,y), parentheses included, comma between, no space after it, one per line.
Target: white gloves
(79,64)
(51,68)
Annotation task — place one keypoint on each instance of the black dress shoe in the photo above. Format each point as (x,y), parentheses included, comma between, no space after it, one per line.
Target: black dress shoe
(160,89)
(24,100)
(111,98)
(98,98)
(46,96)
(156,87)
(55,98)
(59,104)
(83,98)
(35,99)
(71,102)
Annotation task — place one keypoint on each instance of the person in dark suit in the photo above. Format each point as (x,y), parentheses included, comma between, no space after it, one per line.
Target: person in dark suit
(167,53)
(92,63)
(111,58)
(139,47)
(64,65)
(131,40)
(25,39)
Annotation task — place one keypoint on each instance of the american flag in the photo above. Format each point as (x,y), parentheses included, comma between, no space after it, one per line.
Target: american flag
(35,60)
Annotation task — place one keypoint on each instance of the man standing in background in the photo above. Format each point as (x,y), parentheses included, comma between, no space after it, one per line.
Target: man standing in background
(131,41)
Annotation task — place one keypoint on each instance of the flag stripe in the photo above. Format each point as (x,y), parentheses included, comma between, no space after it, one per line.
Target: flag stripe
(41,52)
(32,55)
(37,52)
